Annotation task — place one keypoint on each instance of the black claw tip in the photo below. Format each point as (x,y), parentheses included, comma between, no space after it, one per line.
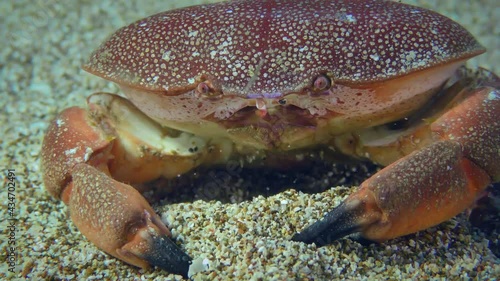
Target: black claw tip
(166,255)
(334,225)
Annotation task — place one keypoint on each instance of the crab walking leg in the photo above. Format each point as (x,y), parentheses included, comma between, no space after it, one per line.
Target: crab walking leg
(428,186)
(86,157)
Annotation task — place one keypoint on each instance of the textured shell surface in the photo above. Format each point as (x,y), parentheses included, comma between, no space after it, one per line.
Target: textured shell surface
(267,48)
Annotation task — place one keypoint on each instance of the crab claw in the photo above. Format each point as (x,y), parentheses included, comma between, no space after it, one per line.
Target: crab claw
(126,226)
(393,203)
(111,214)
(428,186)
(345,219)
(336,224)
(159,250)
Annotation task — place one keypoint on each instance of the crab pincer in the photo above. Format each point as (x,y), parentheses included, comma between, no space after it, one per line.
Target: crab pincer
(111,214)
(430,185)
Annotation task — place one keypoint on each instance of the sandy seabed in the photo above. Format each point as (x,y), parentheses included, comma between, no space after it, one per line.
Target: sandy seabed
(43,46)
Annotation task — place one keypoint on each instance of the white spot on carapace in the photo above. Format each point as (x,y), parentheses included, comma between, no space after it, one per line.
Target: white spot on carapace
(374,57)
(350,18)
(166,55)
(71,151)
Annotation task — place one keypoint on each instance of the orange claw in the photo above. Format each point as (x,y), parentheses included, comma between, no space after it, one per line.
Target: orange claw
(77,152)
(428,186)
(116,218)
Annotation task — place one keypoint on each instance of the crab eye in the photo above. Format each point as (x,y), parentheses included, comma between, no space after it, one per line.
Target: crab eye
(206,90)
(203,88)
(322,82)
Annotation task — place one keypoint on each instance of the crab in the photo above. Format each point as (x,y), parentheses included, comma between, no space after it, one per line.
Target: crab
(270,82)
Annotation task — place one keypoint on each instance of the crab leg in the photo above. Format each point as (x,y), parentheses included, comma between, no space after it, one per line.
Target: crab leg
(86,158)
(428,186)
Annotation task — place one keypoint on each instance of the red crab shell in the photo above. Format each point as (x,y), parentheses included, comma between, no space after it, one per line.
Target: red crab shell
(275,50)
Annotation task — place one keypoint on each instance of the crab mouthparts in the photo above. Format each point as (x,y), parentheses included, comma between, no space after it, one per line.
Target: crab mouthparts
(261,107)
(266,113)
